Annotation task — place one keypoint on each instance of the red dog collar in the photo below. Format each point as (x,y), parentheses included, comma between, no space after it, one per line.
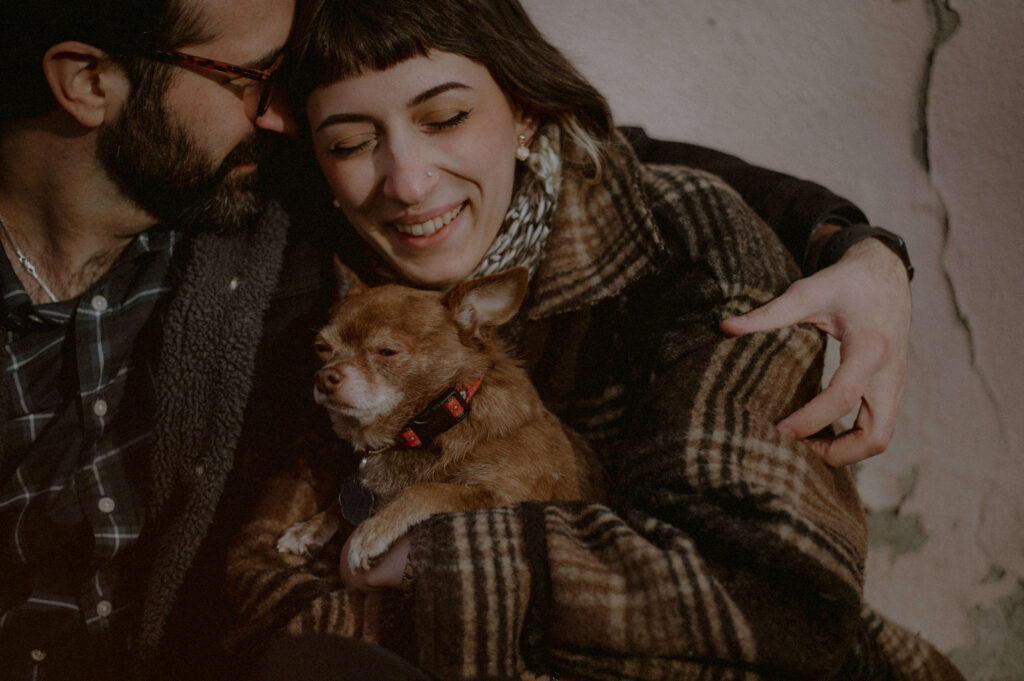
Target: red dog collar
(440,415)
(356,498)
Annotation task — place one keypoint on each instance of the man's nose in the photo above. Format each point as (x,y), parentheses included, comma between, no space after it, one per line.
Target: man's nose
(279,116)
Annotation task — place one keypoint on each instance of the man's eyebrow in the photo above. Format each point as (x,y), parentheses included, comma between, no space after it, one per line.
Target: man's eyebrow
(435,91)
(261,63)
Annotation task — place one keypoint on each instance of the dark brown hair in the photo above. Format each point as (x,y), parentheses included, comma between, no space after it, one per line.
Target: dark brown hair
(337,39)
(124,29)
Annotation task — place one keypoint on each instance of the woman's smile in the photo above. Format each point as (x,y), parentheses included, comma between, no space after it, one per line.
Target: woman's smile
(416,227)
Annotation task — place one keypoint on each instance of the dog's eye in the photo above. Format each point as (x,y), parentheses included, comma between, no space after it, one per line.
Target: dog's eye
(321,348)
(387,352)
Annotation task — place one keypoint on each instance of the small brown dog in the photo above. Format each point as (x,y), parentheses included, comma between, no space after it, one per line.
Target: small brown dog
(420,384)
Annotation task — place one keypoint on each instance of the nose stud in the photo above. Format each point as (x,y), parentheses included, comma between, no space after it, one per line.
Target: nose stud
(430,173)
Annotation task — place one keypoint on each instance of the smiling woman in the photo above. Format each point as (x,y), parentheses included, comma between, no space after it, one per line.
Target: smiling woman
(421,159)
(457,141)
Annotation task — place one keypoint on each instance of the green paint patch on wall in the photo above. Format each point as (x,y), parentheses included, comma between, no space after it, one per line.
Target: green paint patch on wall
(999,649)
(890,527)
(995,574)
(901,532)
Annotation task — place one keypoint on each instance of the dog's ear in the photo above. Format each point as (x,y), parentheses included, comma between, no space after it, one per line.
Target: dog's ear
(488,301)
(346,280)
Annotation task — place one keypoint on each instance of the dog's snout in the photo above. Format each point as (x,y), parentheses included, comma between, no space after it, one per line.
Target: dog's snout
(329,378)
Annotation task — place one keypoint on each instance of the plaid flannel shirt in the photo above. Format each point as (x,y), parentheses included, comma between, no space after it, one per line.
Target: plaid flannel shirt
(79,385)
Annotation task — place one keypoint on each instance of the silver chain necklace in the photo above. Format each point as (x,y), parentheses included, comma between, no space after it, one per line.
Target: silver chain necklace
(25,262)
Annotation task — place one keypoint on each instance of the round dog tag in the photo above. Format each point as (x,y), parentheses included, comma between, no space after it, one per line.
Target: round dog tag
(356,500)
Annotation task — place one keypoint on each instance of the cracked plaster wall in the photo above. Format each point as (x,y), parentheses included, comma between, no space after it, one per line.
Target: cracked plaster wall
(915,110)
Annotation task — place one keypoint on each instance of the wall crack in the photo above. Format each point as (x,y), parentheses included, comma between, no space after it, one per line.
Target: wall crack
(945,21)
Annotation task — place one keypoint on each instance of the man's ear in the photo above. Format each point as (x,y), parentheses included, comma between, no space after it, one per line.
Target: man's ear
(85,82)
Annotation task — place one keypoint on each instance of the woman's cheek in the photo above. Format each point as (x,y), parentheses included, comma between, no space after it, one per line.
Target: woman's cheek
(344,184)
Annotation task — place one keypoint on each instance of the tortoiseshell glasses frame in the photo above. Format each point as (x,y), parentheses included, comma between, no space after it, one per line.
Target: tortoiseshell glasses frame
(263,76)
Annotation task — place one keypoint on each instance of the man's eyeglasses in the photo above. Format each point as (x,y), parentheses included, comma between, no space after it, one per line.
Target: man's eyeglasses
(262,76)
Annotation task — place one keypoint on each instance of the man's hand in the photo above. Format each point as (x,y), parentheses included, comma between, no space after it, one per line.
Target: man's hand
(386,574)
(863,301)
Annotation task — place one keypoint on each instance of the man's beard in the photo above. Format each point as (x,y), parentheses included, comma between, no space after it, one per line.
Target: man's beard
(157,163)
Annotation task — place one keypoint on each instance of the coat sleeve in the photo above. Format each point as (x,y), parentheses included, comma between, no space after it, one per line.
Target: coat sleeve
(791,206)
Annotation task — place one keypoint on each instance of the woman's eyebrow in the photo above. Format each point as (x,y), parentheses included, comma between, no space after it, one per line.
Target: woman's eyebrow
(334,119)
(435,91)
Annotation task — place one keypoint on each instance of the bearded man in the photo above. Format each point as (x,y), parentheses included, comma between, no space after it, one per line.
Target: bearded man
(135,236)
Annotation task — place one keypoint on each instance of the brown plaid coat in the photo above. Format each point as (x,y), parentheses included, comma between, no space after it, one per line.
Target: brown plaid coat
(728,551)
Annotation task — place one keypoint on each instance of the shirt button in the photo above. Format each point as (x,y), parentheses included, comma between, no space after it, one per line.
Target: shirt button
(38,655)
(103,608)
(99,407)
(99,303)
(106,504)
(200,470)
(233,284)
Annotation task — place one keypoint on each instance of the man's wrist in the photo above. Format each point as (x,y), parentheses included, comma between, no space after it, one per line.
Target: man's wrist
(819,237)
(831,246)
(842,240)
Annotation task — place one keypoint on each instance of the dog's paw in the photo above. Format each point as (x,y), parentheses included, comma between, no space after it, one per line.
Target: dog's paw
(370,541)
(303,539)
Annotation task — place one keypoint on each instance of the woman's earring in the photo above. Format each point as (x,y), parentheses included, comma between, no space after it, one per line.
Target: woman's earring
(337,203)
(522,151)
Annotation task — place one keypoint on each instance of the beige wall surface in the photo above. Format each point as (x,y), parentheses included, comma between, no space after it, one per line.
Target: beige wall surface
(914,109)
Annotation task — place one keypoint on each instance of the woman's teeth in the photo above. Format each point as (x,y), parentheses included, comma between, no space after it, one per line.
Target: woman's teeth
(430,226)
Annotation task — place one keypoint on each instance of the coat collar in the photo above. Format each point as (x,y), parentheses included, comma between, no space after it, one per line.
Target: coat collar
(603,236)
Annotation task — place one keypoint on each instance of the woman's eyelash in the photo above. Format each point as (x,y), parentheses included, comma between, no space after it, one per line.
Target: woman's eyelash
(342,151)
(459,118)
(450,122)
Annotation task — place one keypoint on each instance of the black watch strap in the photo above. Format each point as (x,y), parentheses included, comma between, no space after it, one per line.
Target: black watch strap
(841,241)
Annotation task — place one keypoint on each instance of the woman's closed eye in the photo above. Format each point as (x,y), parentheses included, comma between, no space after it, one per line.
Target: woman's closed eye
(450,122)
(351,144)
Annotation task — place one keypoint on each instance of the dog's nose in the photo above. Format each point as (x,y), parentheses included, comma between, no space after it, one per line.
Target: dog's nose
(329,378)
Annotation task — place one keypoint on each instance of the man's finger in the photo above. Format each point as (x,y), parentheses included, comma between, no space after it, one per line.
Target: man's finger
(850,447)
(792,307)
(869,437)
(834,402)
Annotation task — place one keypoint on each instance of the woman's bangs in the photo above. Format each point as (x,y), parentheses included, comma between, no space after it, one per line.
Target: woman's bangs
(355,44)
